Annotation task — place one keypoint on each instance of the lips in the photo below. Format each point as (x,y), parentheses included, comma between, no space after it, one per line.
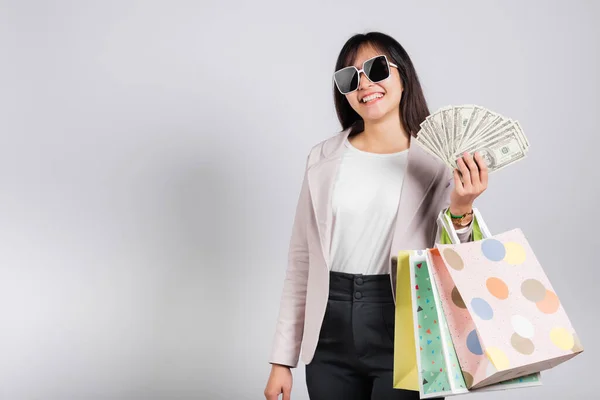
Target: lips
(371,97)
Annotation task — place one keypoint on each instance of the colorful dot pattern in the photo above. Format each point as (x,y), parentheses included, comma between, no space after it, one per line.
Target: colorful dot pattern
(482,309)
(497,288)
(473,343)
(522,344)
(498,358)
(453,259)
(562,338)
(522,326)
(457,298)
(516,316)
(493,250)
(459,322)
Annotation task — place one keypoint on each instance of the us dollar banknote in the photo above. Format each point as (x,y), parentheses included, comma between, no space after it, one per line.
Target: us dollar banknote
(453,130)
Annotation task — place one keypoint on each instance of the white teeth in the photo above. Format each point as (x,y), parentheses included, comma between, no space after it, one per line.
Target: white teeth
(371,97)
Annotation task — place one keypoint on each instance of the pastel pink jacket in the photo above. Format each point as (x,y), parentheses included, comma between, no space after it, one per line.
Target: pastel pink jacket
(425,193)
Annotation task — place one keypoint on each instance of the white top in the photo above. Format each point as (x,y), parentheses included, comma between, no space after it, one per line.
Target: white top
(365,203)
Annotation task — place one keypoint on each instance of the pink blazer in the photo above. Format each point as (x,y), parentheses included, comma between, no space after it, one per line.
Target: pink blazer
(425,192)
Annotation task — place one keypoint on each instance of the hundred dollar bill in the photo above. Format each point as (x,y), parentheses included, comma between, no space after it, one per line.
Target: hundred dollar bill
(452,131)
(482,139)
(473,118)
(431,134)
(523,137)
(427,147)
(461,118)
(492,137)
(493,124)
(501,152)
(485,118)
(435,121)
(425,137)
(448,127)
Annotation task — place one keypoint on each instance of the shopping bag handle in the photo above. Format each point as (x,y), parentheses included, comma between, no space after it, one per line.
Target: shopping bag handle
(445,222)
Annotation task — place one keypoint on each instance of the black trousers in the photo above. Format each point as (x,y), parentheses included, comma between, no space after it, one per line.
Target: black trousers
(354,359)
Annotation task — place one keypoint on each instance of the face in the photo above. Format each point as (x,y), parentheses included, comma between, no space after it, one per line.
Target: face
(390,90)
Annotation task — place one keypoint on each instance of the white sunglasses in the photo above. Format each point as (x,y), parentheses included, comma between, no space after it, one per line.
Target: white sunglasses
(376,69)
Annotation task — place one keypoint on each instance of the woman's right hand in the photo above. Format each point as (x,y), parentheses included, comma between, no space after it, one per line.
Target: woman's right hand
(280,381)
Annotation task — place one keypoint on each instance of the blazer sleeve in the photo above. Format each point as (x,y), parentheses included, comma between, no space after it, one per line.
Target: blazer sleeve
(290,322)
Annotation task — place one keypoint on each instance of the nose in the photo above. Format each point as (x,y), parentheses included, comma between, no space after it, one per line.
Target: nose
(364,81)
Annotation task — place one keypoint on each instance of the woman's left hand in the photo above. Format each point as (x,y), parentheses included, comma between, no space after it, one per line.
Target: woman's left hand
(473,182)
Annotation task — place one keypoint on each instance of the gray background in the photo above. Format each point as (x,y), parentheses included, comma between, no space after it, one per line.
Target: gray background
(152,155)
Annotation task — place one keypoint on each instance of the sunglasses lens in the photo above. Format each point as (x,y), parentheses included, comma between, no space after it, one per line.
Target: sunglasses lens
(346,79)
(377,69)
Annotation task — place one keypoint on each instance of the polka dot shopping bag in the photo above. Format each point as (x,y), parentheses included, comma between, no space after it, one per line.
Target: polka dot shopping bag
(505,319)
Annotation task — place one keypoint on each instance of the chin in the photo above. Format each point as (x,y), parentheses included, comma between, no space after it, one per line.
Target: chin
(375,114)
(378,110)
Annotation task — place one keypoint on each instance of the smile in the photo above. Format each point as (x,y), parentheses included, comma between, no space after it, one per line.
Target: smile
(372,98)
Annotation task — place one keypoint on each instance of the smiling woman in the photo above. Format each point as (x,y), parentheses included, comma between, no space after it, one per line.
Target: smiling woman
(402,103)
(379,81)
(366,194)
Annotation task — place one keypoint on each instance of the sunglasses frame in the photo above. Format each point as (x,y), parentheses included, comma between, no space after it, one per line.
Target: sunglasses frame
(358,71)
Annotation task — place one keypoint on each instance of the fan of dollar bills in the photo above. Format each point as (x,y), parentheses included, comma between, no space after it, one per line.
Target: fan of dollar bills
(453,130)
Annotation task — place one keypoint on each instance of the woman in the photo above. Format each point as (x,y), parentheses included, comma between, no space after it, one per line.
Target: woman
(367,193)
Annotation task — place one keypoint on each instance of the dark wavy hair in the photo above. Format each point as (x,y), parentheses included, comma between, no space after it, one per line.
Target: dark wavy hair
(413,106)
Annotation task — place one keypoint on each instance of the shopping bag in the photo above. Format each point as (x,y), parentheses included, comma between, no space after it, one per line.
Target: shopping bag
(407,373)
(505,318)
(464,338)
(423,352)
(424,355)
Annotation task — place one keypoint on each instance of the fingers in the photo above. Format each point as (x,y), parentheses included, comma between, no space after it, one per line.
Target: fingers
(286,393)
(280,382)
(473,169)
(466,174)
(483,170)
(458,186)
(271,395)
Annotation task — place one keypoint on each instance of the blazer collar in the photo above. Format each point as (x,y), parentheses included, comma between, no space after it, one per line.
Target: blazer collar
(421,171)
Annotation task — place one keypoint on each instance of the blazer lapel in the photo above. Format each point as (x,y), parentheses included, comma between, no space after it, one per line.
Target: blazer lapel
(321,178)
(421,171)
(419,177)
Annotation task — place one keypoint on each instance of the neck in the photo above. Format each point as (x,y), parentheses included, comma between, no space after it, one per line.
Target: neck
(385,136)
